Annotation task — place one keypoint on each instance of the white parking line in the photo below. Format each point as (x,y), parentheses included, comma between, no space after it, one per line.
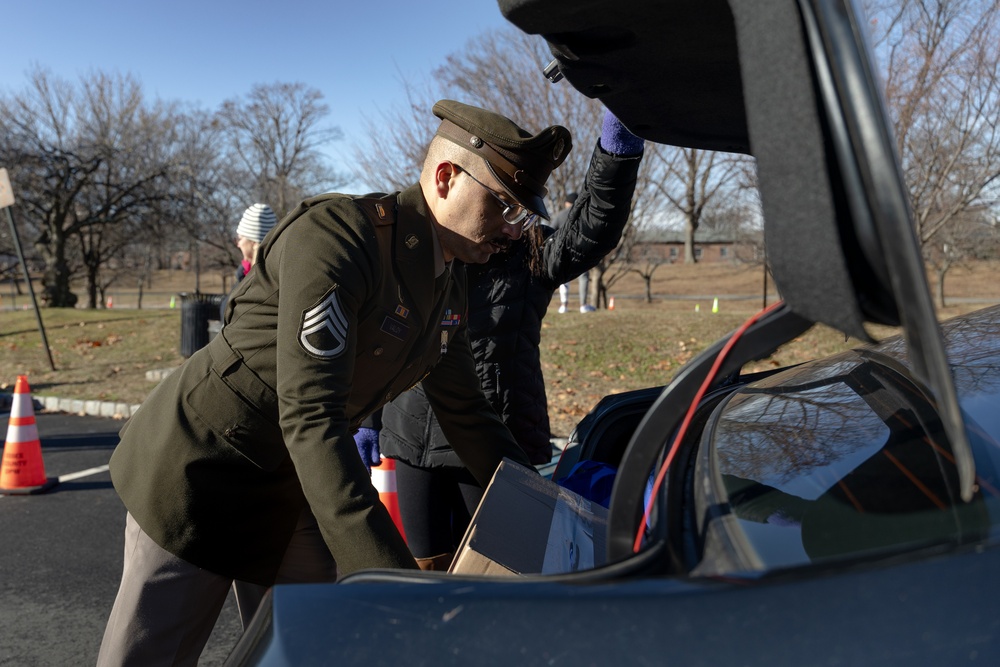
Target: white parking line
(83,473)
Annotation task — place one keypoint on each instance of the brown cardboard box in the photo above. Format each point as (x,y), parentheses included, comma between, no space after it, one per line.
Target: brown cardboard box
(526,524)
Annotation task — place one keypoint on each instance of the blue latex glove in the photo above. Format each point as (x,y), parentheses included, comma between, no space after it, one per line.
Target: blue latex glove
(616,138)
(367,441)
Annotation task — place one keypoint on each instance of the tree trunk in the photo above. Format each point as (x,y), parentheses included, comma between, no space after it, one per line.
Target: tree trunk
(689,230)
(56,285)
(940,285)
(597,287)
(196,252)
(56,291)
(93,298)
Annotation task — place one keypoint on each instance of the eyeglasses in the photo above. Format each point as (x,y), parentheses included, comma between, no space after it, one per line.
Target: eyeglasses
(512,214)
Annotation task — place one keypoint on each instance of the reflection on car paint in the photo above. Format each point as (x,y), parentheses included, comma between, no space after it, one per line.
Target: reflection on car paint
(847,457)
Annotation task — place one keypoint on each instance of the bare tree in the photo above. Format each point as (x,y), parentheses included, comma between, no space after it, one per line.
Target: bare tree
(699,187)
(969,236)
(111,185)
(135,179)
(645,260)
(692,180)
(941,62)
(40,147)
(83,159)
(208,199)
(391,156)
(275,136)
(501,71)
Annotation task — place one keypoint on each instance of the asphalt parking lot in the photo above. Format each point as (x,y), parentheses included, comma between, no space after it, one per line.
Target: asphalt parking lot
(62,553)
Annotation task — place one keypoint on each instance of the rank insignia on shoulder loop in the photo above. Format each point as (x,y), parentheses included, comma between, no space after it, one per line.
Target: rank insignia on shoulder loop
(451,319)
(402,311)
(444,342)
(323,331)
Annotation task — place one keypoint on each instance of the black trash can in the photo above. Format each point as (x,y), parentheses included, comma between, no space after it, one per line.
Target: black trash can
(196,311)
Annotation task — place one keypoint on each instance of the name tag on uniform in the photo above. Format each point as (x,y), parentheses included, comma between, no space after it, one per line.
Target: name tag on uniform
(395,328)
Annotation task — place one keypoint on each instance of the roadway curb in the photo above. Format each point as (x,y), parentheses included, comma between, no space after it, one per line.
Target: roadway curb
(93,408)
(124,410)
(112,409)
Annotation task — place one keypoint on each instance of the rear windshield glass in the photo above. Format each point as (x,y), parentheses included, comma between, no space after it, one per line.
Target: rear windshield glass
(847,456)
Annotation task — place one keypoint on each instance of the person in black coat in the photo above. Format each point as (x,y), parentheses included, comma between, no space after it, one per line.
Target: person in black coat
(508,297)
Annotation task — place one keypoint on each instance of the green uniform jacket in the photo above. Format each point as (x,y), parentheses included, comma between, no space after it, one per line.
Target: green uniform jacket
(341,313)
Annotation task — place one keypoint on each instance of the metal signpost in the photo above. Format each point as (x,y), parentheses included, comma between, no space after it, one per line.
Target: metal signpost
(6,201)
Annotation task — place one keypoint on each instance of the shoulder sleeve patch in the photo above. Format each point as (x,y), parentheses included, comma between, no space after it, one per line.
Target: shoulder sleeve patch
(323,332)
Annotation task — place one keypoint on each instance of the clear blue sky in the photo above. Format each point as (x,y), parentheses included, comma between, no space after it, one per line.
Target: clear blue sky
(354,51)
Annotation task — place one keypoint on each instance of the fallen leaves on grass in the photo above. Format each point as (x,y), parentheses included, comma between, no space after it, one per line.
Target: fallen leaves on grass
(95,357)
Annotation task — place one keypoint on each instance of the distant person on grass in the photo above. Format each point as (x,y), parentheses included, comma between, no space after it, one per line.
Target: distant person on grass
(241,465)
(559,220)
(256,222)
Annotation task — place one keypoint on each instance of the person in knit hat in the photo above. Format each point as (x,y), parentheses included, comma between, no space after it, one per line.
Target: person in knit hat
(254,226)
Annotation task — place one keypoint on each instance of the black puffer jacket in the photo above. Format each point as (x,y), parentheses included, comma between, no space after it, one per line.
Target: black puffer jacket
(506,307)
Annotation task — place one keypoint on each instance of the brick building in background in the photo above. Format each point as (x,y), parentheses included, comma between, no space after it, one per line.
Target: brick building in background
(667,245)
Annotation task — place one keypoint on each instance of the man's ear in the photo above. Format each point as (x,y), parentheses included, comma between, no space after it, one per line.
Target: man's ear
(444,175)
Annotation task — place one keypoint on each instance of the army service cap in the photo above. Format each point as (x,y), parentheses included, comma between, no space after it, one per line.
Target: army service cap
(520,162)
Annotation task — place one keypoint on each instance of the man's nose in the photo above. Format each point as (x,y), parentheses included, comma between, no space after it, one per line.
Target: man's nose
(513,232)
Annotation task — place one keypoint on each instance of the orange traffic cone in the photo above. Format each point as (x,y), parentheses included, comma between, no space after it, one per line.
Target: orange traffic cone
(111,302)
(611,303)
(384,481)
(22,471)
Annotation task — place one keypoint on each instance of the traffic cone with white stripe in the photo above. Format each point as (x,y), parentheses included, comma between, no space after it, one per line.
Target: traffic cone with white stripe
(384,481)
(22,470)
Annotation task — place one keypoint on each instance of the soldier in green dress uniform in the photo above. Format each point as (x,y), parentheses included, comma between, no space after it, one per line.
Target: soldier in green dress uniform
(241,465)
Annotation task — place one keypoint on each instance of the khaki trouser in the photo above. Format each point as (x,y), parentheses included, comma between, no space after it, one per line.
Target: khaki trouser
(166,608)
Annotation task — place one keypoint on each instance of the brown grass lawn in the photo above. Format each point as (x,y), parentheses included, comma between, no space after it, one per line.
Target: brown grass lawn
(104,354)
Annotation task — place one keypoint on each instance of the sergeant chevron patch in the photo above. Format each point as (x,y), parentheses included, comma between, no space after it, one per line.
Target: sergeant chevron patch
(323,332)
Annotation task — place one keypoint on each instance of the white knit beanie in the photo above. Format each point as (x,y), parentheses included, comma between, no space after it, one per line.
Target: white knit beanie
(256,222)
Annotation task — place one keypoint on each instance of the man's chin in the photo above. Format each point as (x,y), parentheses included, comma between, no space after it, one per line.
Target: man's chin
(498,247)
(474,257)
(485,252)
